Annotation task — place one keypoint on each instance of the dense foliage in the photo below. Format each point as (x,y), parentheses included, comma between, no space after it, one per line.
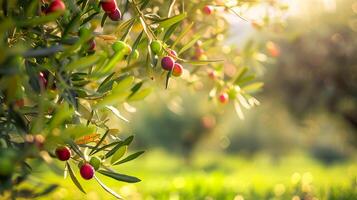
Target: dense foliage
(66,67)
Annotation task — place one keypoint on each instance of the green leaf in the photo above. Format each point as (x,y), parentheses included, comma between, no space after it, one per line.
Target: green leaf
(70,26)
(83,62)
(143,4)
(123,85)
(106,188)
(130,157)
(75,148)
(63,112)
(182,35)
(120,177)
(127,141)
(99,143)
(241,72)
(201,62)
(135,46)
(245,79)
(253,87)
(165,23)
(91,17)
(116,112)
(189,44)
(119,153)
(140,95)
(108,67)
(104,18)
(125,24)
(105,85)
(168,79)
(170,31)
(128,30)
(104,147)
(40,20)
(112,99)
(74,179)
(136,88)
(78,130)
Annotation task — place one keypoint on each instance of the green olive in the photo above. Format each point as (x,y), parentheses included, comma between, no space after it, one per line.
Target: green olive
(120,45)
(156,46)
(95,162)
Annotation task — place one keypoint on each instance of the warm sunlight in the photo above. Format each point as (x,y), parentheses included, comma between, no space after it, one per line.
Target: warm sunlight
(178,99)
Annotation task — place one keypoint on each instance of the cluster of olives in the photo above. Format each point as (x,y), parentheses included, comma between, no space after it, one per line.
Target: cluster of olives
(86,169)
(168,62)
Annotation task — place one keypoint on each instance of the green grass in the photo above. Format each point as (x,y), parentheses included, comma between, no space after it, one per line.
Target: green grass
(221,177)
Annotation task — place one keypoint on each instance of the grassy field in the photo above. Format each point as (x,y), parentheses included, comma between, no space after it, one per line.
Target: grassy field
(222,177)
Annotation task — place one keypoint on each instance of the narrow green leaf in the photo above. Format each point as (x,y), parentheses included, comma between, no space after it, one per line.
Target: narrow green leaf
(75,148)
(40,20)
(130,157)
(253,87)
(108,67)
(189,44)
(73,177)
(245,79)
(127,141)
(70,26)
(83,62)
(104,147)
(128,30)
(120,177)
(78,130)
(241,72)
(140,95)
(168,79)
(182,35)
(123,85)
(135,46)
(116,112)
(105,83)
(119,154)
(106,188)
(170,31)
(112,99)
(165,23)
(144,3)
(201,62)
(136,88)
(91,17)
(104,18)
(99,143)
(124,25)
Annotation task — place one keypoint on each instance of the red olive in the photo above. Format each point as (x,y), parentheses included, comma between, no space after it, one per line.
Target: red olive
(207,10)
(56,5)
(177,70)
(167,63)
(115,15)
(109,5)
(223,98)
(63,153)
(87,171)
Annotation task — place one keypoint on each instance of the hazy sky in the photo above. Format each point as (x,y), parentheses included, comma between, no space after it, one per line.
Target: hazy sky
(241,30)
